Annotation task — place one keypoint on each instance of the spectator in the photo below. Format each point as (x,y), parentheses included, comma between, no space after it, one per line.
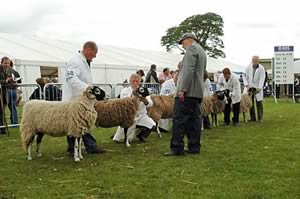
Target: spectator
(52,92)
(151,75)
(38,93)
(165,75)
(142,74)
(12,93)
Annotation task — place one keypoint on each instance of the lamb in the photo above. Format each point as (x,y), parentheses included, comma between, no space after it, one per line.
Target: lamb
(162,108)
(117,112)
(72,118)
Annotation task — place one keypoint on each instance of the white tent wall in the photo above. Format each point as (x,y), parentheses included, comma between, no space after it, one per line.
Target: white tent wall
(297,66)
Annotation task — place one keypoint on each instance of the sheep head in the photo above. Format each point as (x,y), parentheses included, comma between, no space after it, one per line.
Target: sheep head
(253,91)
(94,92)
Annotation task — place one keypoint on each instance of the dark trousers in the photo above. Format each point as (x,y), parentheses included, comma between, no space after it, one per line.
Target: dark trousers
(259,108)
(2,123)
(12,105)
(235,110)
(186,120)
(89,142)
(144,131)
(206,122)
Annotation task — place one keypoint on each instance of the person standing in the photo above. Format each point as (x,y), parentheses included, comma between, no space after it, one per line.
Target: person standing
(189,94)
(77,78)
(230,82)
(12,93)
(4,81)
(255,78)
(152,75)
(164,76)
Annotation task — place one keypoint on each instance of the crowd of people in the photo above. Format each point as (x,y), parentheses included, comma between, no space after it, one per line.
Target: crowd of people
(189,84)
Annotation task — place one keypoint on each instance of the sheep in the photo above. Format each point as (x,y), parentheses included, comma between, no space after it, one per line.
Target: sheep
(117,112)
(72,118)
(120,112)
(246,101)
(162,108)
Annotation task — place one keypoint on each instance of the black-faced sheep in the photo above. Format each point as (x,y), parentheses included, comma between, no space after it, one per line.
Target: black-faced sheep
(72,118)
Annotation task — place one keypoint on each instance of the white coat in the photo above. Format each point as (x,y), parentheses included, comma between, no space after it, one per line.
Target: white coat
(234,85)
(257,81)
(207,89)
(141,118)
(168,87)
(77,77)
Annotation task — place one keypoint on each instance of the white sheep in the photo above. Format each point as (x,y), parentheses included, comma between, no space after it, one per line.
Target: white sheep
(246,101)
(72,118)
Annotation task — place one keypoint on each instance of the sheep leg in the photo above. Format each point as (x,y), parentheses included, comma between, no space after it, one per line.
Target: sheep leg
(126,141)
(157,130)
(76,156)
(29,157)
(213,120)
(38,143)
(244,115)
(202,125)
(80,148)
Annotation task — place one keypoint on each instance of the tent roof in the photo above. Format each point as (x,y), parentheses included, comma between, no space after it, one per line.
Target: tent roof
(46,51)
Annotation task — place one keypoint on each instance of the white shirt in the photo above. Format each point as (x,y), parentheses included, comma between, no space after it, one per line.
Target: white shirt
(207,89)
(233,84)
(168,87)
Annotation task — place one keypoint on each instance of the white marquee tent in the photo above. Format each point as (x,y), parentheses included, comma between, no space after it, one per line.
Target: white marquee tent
(112,65)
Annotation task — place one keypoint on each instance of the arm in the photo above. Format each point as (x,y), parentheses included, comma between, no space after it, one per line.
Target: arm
(236,87)
(188,69)
(154,75)
(72,76)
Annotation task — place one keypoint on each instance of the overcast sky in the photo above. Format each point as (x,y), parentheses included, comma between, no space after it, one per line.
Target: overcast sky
(250,27)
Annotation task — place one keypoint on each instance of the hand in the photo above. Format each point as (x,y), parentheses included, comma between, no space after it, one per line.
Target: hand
(181,96)
(9,79)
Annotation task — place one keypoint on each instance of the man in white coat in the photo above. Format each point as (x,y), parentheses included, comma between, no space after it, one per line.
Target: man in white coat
(255,78)
(77,78)
(142,120)
(231,82)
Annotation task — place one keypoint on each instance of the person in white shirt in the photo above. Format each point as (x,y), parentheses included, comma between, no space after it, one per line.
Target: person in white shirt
(168,88)
(228,81)
(207,91)
(142,120)
(255,78)
(78,77)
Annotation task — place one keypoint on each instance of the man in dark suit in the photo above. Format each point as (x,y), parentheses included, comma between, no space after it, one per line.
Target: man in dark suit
(189,94)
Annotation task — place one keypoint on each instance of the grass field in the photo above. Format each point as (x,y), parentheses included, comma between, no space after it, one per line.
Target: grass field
(253,161)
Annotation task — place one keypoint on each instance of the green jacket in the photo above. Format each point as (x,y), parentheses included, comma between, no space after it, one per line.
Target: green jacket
(190,79)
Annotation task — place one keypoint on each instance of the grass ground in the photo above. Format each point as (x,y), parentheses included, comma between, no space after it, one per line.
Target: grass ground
(253,161)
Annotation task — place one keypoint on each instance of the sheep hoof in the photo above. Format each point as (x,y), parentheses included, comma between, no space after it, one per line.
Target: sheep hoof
(128,145)
(80,157)
(29,158)
(38,155)
(77,159)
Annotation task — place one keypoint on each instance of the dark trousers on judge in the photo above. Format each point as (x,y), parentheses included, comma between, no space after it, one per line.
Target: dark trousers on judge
(235,110)
(186,120)
(260,110)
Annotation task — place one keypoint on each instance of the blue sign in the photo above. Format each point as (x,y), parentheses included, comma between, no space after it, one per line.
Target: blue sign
(284,48)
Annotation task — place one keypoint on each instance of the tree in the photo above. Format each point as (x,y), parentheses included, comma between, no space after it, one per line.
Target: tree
(208,28)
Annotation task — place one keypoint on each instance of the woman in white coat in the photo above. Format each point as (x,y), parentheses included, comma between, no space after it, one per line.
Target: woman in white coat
(142,120)
(255,78)
(231,82)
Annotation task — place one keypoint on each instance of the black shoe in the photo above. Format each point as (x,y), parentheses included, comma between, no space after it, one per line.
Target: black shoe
(2,132)
(251,120)
(141,138)
(192,152)
(71,154)
(173,153)
(235,124)
(225,124)
(207,127)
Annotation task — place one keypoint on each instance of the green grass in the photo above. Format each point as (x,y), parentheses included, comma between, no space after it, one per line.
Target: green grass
(253,161)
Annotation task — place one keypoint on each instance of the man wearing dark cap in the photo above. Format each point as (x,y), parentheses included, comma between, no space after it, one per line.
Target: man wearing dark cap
(189,94)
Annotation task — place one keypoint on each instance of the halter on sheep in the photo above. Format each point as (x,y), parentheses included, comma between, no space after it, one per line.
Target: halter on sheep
(72,118)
